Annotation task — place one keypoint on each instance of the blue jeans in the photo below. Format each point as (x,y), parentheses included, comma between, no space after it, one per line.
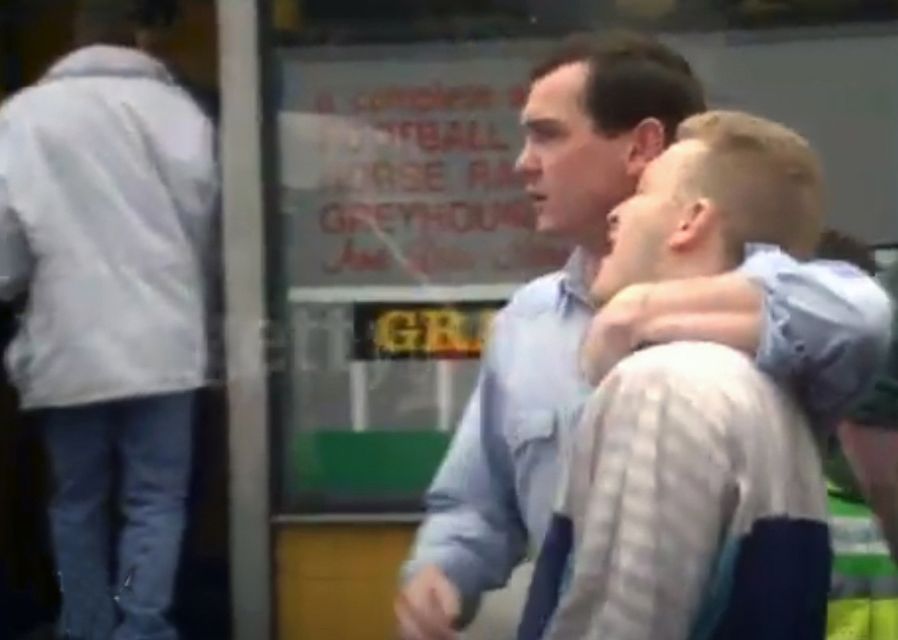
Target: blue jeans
(151,440)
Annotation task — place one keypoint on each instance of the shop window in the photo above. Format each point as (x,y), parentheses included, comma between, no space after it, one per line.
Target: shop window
(397,226)
(404,229)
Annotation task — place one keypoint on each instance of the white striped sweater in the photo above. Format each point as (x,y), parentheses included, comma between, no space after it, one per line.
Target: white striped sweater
(695,505)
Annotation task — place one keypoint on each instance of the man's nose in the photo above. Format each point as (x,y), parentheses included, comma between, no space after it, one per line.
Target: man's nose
(526,163)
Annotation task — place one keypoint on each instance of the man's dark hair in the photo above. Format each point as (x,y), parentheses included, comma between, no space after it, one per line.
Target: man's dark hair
(154,14)
(835,245)
(631,77)
(116,22)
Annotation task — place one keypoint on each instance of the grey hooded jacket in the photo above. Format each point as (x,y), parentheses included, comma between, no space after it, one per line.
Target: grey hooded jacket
(108,192)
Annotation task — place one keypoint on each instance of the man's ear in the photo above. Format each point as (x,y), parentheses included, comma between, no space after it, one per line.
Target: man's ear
(647,142)
(697,221)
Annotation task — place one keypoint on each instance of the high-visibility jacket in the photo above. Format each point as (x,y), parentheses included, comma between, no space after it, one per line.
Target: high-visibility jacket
(863,603)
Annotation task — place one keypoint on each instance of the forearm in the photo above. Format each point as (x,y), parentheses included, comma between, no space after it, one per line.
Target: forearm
(883,500)
(725,309)
(473,530)
(821,326)
(872,452)
(471,554)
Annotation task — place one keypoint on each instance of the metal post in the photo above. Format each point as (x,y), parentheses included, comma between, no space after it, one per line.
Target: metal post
(245,285)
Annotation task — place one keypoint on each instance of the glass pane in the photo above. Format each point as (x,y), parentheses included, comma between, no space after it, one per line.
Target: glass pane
(401,227)
(405,228)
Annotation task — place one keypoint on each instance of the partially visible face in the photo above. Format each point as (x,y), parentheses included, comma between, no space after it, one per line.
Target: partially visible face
(573,174)
(639,228)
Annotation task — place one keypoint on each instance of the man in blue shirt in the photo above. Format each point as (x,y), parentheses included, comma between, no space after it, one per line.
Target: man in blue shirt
(598,112)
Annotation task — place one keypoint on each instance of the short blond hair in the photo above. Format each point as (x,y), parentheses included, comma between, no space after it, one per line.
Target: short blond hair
(766,178)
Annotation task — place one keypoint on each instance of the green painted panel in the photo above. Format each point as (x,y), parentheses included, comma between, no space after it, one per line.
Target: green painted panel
(367,464)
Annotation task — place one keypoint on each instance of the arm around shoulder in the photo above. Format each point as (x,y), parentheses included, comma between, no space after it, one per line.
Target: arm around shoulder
(826,325)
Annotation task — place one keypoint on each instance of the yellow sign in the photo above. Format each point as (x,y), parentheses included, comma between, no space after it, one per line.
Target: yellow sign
(422,331)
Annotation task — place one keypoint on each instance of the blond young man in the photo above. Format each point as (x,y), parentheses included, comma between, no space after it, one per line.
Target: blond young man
(693,504)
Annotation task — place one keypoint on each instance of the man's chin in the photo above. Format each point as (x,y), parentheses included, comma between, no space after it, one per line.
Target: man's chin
(552,228)
(598,297)
(572,237)
(602,290)
(596,292)
(544,224)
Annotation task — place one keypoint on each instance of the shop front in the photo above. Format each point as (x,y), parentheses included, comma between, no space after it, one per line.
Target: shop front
(374,225)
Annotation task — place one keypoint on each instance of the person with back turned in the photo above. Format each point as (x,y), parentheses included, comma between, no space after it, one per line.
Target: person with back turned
(108,193)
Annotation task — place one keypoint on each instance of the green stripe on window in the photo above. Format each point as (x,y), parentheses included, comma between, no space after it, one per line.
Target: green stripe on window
(367,464)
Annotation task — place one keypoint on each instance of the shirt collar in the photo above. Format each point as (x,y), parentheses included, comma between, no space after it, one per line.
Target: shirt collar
(102,60)
(573,285)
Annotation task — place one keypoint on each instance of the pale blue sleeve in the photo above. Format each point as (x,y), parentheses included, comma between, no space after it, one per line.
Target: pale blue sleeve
(473,529)
(826,328)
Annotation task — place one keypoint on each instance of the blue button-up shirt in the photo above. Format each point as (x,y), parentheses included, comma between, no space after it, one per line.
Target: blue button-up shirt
(826,328)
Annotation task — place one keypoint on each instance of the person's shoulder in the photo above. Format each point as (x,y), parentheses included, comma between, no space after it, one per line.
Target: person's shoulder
(46,106)
(703,390)
(26,102)
(537,296)
(534,301)
(720,381)
(31,113)
(699,362)
(529,318)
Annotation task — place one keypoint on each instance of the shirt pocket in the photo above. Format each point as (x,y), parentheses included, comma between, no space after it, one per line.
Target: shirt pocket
(529,428)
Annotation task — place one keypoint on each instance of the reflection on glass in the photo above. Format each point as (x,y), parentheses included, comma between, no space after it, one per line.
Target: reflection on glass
(401,226)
